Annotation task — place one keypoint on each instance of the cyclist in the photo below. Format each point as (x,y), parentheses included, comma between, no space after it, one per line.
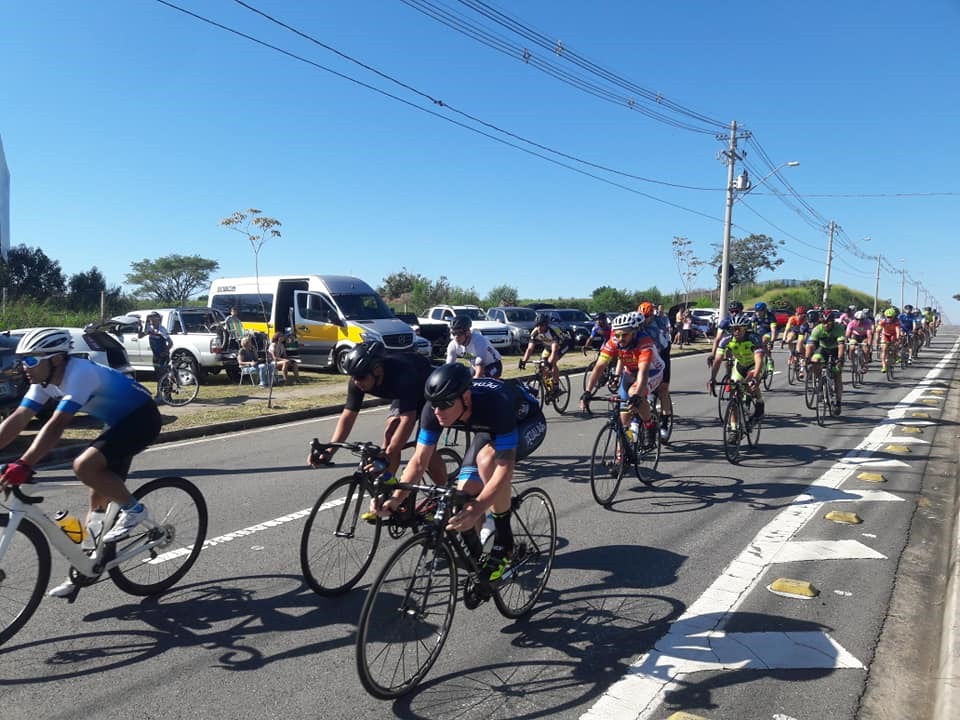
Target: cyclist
(642,371)
(507,426)
(765,326)
(825,342)
(847,315)
(486,358)
(76,383)
(906,330)
(657,327)
(794,333)
(160,344)
(398,377)
(746,348)
(860,332)
(889,332)
(734,307)
(555,345)
(599,333)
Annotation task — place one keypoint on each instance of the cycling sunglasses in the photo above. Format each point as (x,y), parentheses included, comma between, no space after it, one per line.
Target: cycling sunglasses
(31,361)
(445,404)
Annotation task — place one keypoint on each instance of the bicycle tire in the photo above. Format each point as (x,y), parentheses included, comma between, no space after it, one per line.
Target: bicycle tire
(21,589)
(722,393)
(647,459)
(752,426)
(561,399)
(177,508)
(823,400)
(452,460)
(588,372)
(180,390)
(810,389)
(410,607)
(534,526)
(606,473)
(792,371)
(537,389)
(732,428)
(336,548)
(663,421)
(768,372)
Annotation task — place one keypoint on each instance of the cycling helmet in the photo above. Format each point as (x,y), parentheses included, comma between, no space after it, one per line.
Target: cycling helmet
(448,382)
(760,306)
(928,309)
(45,341)
(645,309)
(363,358)
(541,319)
(460,322)
(801,310)
(907,308)
(851,308)
(626,321)
(813,317)
(735,307)
(858,315)
(740,321)
(602,317)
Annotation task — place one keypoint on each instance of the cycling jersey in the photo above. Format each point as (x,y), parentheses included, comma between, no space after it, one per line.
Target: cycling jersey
(641,349)
(479,348)
(858,329)
(601,332)
(101,392)
(765,324)
(888,326)
(404,376)
(828,339)
(742,350)
(906,322)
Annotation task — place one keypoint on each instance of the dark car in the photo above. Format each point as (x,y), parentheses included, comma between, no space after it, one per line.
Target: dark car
(13,381)
(574,321)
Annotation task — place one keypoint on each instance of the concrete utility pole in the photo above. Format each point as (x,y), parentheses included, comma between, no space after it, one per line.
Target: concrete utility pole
(732,157)
(876,288)
(903,280)
(826,280)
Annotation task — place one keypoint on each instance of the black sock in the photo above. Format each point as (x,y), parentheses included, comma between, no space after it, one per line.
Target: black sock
(503,535)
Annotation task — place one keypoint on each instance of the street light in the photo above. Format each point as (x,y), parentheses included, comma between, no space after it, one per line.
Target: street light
(742,186)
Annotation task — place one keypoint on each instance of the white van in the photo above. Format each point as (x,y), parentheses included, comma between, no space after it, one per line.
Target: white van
(328,314)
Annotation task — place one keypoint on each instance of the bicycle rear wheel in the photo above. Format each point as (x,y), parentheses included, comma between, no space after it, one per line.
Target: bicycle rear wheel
(24,574)
(178,518)
(406,617)
(733,430)
(534,526)
(179,387)
(337,546)
(561,398)
(607,463)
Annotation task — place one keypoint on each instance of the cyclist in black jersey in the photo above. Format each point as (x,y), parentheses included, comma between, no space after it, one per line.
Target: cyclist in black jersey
(398,377)
(507,425)
(554,342)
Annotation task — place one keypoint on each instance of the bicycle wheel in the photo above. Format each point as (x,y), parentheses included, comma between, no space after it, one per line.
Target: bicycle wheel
(855,378)
(732,430)
(823,399)
(607,463)
(534,526)
(561,398)
(664,422)
(768,373)
(647,458)
(178,518)
(181,389)
(587,373)
(722,392)
(792,371)
(535,386)
(452,460)
(337,546)
(810,389)
(406,617)
(24,574)
(751,423)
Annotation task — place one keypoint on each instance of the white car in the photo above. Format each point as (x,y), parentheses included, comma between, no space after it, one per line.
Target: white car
(94,344)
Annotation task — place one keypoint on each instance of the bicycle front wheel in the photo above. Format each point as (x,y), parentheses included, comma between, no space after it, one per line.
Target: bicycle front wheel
(337,546)
(733,430)
(810,389)
(177,516)
(179,389)
(452,461)
(534,526)
(406,617)
(24,574)
(723,390)
(823,400)
(607,464)
(561,398)
(768,373)
(792,372)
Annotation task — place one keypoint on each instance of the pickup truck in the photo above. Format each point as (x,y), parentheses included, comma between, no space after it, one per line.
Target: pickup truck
(436,332)
(196,332)
(497,333)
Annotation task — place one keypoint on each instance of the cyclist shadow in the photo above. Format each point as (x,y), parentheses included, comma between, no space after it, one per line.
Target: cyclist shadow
(214,615)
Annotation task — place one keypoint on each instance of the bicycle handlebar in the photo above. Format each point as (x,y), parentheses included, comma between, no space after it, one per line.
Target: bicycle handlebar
(365,450)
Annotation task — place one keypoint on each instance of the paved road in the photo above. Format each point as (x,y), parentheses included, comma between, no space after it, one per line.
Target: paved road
(657,604)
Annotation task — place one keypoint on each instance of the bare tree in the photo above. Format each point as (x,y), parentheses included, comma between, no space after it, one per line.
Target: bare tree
(257,229)
(688,265)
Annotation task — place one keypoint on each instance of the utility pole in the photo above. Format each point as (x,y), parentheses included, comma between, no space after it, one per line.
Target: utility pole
(826,280)
(902,281)
(876,288)
(731,156)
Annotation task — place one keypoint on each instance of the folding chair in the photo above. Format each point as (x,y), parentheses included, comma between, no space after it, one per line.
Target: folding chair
(252,372)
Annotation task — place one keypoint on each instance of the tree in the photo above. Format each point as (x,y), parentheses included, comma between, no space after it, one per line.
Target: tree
(957,296)
(172,279)
(610,299)
(750,255)
(399,283)
(29,273)
(688,265)
(257,229)
(501,295)
(85,288)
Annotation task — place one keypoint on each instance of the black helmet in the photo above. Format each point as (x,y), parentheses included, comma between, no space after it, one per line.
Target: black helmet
(460,322)
(601,316)
(735,306)
(364,358)
(813,316)
(541,319)
(448,382)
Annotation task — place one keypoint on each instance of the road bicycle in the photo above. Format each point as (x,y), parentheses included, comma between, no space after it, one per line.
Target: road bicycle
(178,384)
(795,366)
(768,365)
(409,608)
(615,450)
(338,544)
(154,557)
(889,352)
(546,391)
(858,362)
(903,352)
(724,386)
(609,377)
(740,423)
(825,392)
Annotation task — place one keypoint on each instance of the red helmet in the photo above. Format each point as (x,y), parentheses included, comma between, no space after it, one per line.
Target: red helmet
(645,308)
(801,310)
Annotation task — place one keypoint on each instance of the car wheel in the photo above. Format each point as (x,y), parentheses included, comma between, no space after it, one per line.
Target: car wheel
(341,358)
(190,361)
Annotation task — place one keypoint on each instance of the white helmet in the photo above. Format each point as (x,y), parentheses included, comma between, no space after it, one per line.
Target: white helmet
(626,321)
(45,341)
(858,315)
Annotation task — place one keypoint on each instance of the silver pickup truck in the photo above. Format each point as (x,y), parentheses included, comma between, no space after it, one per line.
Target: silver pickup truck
(196,332)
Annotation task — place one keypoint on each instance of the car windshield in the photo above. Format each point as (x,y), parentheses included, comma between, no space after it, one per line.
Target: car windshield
(363,307)
(201,321)
(574,316)
(521,315)
(472,313)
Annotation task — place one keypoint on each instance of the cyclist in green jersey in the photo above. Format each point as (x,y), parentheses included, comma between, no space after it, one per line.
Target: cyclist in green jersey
(826,341)
(746,349)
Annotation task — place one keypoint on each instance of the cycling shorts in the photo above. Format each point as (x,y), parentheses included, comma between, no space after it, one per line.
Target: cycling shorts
(530,434)
(628,378)
(131,435)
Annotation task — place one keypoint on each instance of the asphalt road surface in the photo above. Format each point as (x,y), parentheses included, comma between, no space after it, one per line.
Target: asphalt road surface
(657,604)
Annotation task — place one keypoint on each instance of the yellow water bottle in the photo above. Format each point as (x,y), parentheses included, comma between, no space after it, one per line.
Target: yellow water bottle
(70,525)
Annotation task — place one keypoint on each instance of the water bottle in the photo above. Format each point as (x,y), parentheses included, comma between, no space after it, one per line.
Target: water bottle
(94,529)
(488,528)
(634,432)
(70,525)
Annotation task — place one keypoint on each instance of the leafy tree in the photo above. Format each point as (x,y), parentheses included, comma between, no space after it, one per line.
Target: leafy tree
(399,283)
(750,255)
(611,300)
(84,290)
(172,279)
(29,273)
(501,295)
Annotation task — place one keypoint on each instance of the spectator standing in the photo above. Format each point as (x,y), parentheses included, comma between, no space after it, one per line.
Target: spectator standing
(160,344)
(234,326)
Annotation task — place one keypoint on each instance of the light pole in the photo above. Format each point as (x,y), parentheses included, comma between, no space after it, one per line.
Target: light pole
(903,280)
(741,186)
(876,287)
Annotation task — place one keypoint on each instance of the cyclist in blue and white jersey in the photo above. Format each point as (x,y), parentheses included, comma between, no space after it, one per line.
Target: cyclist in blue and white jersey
(76,383)
(906,330)
(507,425)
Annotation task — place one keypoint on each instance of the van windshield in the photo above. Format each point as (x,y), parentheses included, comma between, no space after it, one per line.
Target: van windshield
(363,307)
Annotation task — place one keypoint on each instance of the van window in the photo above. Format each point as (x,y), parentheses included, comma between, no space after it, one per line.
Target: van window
(314,307)
(248,305)
(362,307)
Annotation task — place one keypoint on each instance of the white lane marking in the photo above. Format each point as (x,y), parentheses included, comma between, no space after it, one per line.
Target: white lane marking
(803,550)
(638,694)
(868,463)
(825,495)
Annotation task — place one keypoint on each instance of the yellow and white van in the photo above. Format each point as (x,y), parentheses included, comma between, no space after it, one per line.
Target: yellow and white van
(328,314)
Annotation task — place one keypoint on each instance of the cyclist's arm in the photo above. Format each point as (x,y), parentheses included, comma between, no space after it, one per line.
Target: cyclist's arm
(15,423)
(48,437)
(526,355)
(757,363)
(597,371)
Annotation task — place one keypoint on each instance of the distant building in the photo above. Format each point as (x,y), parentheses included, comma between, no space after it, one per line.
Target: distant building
(4,204)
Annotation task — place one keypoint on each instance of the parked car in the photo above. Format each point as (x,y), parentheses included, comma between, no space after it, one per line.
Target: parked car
(13,381)
(520,321)
(496,333)
(577,322)
(436,333)
(704,322)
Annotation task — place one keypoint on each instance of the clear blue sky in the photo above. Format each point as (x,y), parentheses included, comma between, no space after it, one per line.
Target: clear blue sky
(131,129)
